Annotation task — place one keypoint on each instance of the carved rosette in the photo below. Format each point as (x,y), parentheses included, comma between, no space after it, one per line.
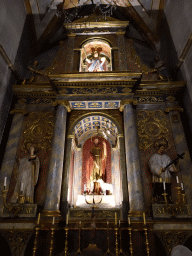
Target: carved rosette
(152,125)
(38,130)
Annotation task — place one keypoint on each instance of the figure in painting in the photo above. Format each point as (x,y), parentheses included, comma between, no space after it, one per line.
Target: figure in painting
(161,175)
(96,63)
(27,177)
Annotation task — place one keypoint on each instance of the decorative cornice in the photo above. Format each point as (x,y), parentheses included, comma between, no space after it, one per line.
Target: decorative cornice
(176,108)
(19,111)
(63,103)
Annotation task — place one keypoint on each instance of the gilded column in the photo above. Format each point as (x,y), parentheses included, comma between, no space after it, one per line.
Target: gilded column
(70,53)
(12,145)
(55,172)
(134,175)
(181,147)
(122,52)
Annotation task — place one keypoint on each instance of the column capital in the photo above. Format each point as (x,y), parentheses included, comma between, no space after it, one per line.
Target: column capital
(64,103)
(19,111)
(175,108)
(125,102)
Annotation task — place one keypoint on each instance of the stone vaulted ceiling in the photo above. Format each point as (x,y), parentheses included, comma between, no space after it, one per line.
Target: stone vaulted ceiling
(145,15)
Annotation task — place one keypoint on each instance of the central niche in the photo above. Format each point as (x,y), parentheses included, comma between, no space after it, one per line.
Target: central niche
(95,56)
(95,163)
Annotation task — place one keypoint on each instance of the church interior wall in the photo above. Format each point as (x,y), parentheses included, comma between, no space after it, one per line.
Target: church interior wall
(175,32)
(18,41)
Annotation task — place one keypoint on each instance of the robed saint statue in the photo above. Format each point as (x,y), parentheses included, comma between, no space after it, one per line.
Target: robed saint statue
(27,177)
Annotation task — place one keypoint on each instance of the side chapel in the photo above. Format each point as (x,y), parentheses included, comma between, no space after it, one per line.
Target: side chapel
(96,160)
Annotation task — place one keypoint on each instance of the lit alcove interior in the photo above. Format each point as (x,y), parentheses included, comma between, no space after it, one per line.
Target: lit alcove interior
(95,56)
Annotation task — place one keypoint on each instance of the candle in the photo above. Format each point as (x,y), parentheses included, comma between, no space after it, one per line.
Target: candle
(79,223)
(115,218)
(182,186)
(129,221)
(67,219)
(38,219)
(119,223)
(5,181)
(107,223)
(21,187)
(53,220)
(84,187)
(164,185)
(144,219)
(177,178)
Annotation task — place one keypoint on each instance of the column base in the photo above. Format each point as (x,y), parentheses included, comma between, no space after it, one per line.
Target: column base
(51,213)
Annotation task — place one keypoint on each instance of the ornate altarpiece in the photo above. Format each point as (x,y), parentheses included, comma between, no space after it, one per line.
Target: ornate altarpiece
(60,109)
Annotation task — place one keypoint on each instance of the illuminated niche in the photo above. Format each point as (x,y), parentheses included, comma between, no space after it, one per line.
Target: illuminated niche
(95,56)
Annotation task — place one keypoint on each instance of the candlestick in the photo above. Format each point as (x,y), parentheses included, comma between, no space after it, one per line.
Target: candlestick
(164,187)
(38,219)
(67,219)
(115,218)
(5,182)
(53,220)
(177,178)
(21,187)
(129,221)
(144,219)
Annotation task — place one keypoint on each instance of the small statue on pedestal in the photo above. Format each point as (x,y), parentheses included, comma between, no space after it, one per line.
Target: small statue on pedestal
(161,175)
(27,177)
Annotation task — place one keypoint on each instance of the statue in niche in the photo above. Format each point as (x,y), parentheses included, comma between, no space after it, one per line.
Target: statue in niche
(161,176)
(96,63)
(27,177)
(97,165)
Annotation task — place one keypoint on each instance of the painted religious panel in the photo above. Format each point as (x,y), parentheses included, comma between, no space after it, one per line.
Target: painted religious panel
(95,56)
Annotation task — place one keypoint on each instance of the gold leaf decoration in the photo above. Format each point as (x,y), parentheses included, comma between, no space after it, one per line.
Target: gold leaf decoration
(38,130)
(152,125)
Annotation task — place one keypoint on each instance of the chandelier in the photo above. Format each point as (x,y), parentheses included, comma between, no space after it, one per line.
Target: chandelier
(70,16)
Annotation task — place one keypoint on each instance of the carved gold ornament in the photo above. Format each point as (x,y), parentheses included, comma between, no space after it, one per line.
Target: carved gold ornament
(152,125)
(171,239)
(38,130)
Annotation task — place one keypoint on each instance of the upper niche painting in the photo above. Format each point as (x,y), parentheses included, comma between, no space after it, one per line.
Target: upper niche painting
(95,56)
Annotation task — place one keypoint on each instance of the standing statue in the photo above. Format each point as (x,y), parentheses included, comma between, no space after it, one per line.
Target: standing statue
(161,176)
(96,165)
(99,155)
(27,177)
